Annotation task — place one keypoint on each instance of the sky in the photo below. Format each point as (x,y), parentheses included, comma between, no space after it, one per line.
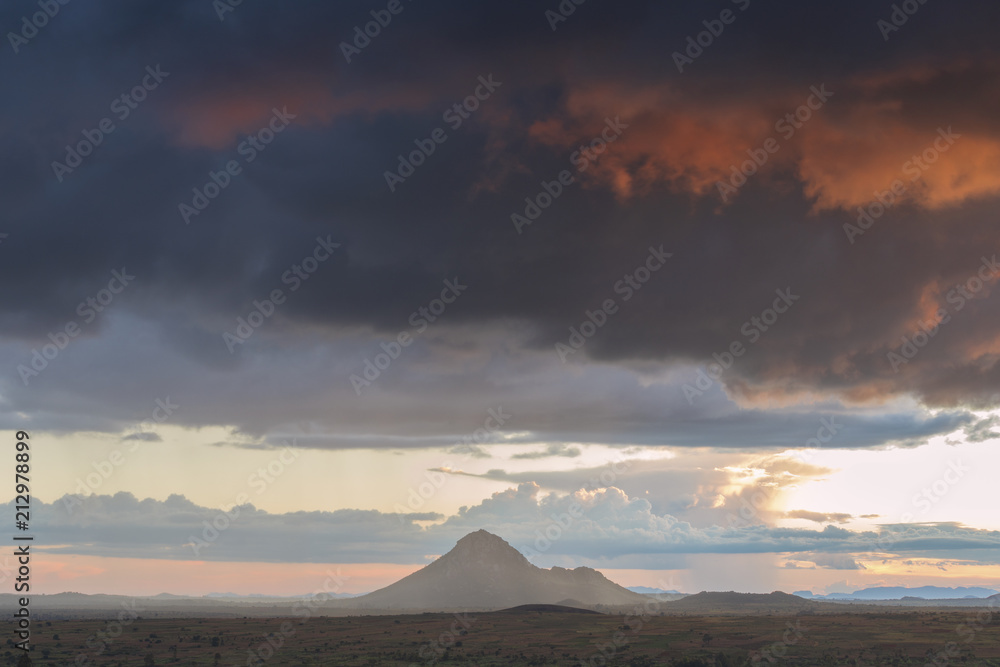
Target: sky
(698,294)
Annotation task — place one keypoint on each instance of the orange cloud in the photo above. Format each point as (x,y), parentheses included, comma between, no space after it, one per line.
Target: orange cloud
(667,140)
(215,118)
(876,128)
(849,165)
(871,132)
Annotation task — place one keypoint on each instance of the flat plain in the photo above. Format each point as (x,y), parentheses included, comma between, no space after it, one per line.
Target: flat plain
(937,637)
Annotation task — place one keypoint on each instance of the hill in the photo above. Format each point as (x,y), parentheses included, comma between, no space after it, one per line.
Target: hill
(778,602)
(484,572)
(547,608)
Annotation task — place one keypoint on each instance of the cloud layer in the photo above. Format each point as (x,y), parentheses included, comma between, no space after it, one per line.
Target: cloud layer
(603,527)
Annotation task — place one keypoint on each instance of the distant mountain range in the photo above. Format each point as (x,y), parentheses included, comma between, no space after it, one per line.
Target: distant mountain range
(262,596)
(900,592)
(483,571)
(646,590)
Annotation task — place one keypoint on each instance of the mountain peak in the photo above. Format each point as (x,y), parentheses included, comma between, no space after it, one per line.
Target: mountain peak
(484,571)
(482,536)
(483,546)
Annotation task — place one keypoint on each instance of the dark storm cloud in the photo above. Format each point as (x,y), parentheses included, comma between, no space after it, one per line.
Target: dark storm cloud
(323,176)
(297,389)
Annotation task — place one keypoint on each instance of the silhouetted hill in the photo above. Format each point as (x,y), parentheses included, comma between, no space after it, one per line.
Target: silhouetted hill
(482,571)
(547,608)
(777,601)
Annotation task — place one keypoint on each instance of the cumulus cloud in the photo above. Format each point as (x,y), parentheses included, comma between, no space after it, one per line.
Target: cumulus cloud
(835,562)
(601,526)
(983,429)
(819,517)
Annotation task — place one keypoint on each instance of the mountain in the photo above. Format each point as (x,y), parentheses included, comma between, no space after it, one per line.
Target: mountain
(658,594)
(482,571)
(646,590)
(900,592)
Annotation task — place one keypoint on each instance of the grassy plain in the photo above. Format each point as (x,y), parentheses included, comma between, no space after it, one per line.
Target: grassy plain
(527,638)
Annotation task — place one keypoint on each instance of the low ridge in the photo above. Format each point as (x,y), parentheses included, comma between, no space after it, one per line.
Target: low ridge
(707,602)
